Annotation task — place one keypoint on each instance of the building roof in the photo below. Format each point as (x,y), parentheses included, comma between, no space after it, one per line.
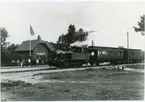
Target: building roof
(25,46)
(97,47)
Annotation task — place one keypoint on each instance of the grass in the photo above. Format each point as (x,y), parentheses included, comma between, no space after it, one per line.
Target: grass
(102,84)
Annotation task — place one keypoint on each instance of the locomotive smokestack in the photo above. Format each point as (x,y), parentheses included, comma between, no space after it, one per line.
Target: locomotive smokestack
(92,43)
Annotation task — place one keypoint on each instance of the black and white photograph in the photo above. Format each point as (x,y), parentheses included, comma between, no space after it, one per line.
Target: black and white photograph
(72,50)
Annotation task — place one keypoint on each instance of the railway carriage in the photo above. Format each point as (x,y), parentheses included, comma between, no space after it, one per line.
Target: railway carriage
(105,54)
(133,55)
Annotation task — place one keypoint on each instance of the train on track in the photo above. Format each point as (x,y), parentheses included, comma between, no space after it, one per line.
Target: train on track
(94,55)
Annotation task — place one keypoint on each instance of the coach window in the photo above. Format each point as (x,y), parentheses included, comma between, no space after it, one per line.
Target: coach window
(103,52)
(73,49)
(110,53)
(132,54)
(41,49)
(98,52)
(92,53)
(86,50)
(38,48)
(114,53)
(79,49)
(120,53)
(82,50)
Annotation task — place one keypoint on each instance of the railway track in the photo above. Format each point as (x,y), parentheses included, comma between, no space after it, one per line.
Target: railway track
(33,69)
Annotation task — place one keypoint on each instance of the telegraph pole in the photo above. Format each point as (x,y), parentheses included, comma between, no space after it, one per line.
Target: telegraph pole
(127,47)
(144,29)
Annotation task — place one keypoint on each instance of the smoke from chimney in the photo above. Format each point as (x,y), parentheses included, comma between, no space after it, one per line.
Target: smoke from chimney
(90,37)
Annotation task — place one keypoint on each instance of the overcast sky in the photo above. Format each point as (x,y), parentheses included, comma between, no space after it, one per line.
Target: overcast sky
(49,19)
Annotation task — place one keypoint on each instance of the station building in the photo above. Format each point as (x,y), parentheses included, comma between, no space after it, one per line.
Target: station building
(39,49)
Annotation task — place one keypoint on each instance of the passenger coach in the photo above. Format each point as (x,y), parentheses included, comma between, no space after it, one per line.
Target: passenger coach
(105,54)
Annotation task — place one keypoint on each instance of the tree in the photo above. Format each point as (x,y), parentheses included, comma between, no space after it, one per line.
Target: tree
(4,51)
(72,36)
(120,47)
(4,35)
(10,52)
(82,35)
(140,27)
(12,48)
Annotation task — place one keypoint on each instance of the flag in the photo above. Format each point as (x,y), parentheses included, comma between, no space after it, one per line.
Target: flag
(31,31)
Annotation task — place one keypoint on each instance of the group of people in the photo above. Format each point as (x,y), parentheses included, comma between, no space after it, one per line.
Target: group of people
(28,61)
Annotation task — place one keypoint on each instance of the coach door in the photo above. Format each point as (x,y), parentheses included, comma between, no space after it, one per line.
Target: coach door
(125,55)
(93,55)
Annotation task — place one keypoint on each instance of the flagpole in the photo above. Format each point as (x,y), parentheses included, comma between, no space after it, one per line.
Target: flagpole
(32,33)
(128,47)
(30,48)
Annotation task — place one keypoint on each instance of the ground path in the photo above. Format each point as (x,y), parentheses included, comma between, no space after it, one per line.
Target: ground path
(23,75)
(27,74)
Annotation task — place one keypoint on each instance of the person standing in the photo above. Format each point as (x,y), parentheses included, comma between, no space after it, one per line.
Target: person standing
(29,61)
(23,63)
(18,62)
(26,62)
(32,62)
(37,61)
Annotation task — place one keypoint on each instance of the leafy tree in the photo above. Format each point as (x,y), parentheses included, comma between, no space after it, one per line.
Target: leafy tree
(82,36)
(120,47)
(12,48)
(140,27)
(69,37)
(10,52)
(72,36)
(4,35)
(3,56)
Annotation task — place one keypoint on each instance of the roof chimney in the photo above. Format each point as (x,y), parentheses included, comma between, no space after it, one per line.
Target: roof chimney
(39,38)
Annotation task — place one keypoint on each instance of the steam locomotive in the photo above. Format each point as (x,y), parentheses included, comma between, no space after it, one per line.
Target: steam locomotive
(94,55)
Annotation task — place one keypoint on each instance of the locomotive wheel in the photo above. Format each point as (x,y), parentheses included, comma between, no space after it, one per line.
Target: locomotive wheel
(97,64)
(66,64)
(78,65)
(91,63)
(94,64)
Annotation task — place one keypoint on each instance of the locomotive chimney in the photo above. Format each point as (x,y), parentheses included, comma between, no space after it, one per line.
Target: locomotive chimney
(92,43)
(38,38)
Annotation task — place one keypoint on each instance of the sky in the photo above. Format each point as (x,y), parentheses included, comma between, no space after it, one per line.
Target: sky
(49,19)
